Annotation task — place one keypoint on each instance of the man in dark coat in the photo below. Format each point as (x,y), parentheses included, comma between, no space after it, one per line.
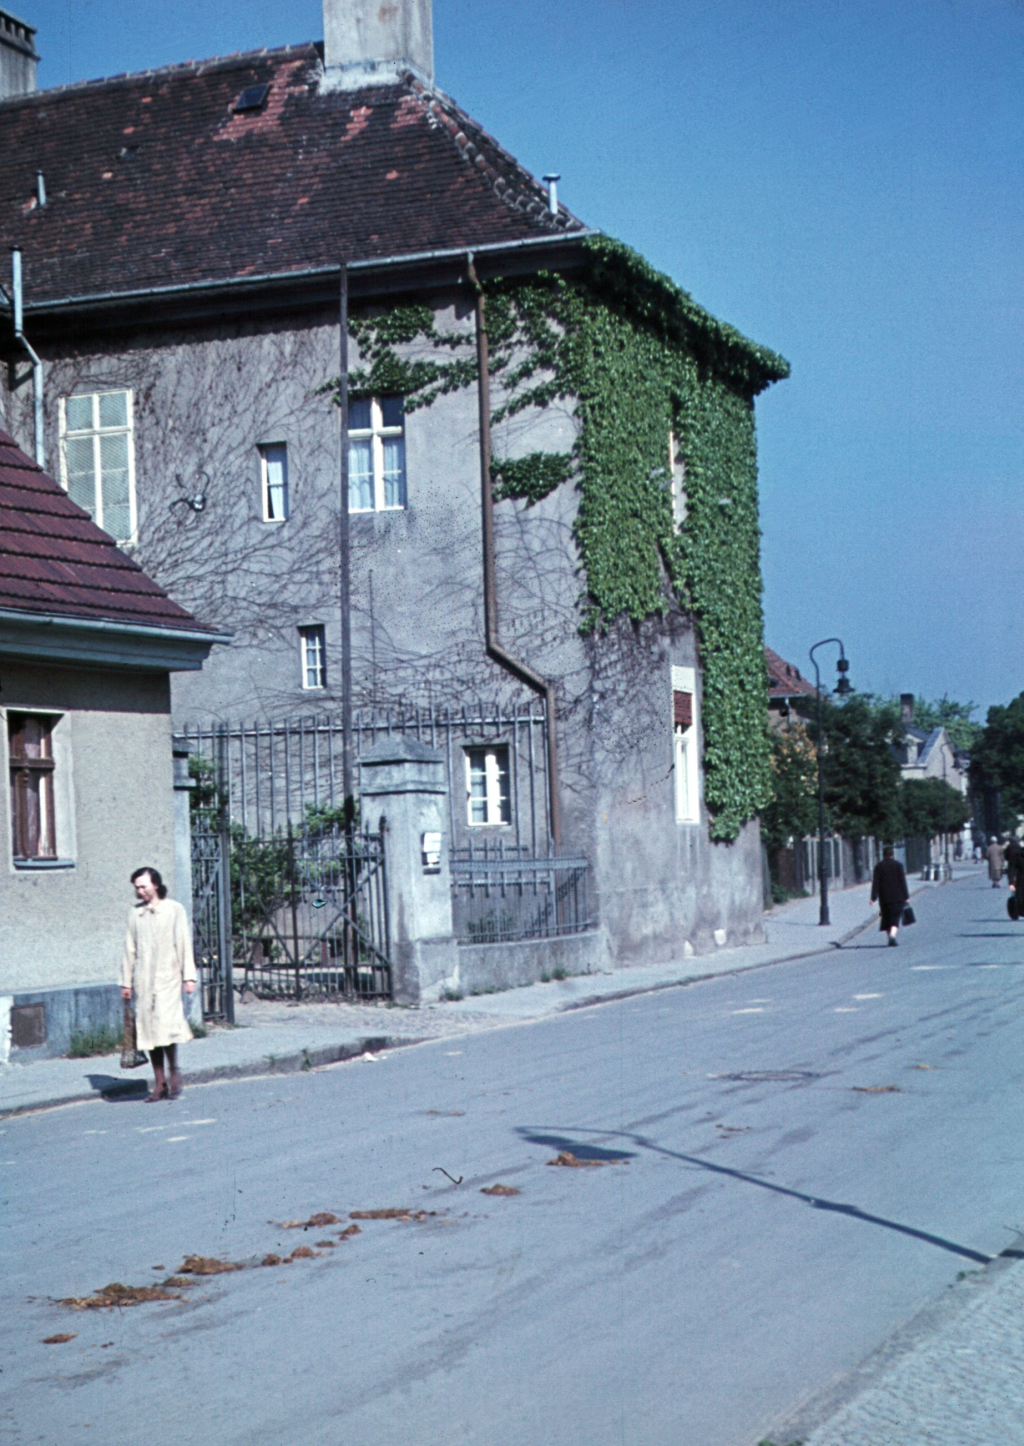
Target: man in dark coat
(889,890)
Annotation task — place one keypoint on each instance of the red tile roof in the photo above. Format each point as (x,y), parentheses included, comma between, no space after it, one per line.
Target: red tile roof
(55,560)
(784,681)
(153,181)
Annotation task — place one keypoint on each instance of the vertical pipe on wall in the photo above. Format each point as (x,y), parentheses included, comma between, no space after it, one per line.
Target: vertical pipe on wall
(37,365)
(494,649)
(345,573)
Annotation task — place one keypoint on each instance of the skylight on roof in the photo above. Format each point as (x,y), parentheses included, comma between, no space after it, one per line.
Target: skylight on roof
(252,98)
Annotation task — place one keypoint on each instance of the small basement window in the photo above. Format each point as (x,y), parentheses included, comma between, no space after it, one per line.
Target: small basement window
(487,792)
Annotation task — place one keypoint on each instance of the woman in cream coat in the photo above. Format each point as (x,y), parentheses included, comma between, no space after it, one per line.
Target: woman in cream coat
(158,961)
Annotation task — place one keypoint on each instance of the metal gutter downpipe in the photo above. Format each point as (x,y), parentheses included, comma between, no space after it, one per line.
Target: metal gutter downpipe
(37,366)
(494,649)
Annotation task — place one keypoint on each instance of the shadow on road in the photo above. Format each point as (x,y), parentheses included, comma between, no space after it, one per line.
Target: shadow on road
(117,1091)
(565,1142)
(582,1152)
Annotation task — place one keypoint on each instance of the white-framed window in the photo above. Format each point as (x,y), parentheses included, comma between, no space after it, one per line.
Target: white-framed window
(686,764)
(677,474)
(313,643)
(487,792)
(274,481)
(376,454)
(97,458)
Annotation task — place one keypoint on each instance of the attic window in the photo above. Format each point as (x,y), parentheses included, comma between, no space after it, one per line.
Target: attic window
(252,98)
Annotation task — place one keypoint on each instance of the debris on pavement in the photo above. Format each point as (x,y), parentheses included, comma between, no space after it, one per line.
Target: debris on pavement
(398,1213)
(568,1158)
(301,1252)
(499,1190)
(207,1265)
(317,1222)
(59,1340)
(877,1089)
(348,1232)
(326,1244)
(117,1294)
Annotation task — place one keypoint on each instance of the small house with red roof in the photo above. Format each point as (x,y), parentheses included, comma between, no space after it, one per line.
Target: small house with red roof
(88,643)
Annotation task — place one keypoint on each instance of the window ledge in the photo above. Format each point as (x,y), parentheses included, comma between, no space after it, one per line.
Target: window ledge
(42,865)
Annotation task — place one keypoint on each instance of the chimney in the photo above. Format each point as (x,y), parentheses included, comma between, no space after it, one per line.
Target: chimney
(371,42)
(18,58)
(907,709)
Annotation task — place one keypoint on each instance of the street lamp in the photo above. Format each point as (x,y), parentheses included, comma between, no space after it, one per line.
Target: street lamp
(842,688)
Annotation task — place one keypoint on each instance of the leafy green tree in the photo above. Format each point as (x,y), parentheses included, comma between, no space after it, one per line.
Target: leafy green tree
(955,717)
(929,807)
(793,809)
(862,772)
(997,758)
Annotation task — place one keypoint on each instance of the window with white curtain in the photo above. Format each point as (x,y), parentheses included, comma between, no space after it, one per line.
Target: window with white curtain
(274,478)
(487,791)
(97,457)
(376,454)
(313,641)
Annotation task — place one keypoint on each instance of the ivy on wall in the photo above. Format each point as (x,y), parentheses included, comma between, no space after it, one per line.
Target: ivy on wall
(638,359)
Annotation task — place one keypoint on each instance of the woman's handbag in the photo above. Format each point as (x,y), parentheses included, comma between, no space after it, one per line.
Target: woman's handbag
(131,1055)
(909,917)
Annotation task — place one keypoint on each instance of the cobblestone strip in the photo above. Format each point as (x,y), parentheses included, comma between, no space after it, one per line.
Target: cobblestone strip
(963,1386)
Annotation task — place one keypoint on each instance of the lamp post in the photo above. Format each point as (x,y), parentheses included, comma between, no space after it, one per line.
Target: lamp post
(842,688)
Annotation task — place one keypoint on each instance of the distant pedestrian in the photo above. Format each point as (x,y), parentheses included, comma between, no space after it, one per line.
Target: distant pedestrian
(889,890)
(158,962)
(994,854)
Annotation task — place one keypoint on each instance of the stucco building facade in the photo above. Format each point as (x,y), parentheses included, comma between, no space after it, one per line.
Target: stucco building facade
(192,341)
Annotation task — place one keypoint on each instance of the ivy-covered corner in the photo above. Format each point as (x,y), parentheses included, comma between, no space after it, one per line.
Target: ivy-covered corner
(640,361)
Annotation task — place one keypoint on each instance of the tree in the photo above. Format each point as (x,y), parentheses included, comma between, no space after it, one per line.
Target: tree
(929,807)
(997,758)
(862,772)
(793,810)
(955,717)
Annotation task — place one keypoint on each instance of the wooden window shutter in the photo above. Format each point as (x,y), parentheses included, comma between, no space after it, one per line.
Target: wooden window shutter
(682,708)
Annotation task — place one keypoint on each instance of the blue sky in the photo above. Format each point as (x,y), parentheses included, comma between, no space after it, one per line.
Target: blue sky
(843,181)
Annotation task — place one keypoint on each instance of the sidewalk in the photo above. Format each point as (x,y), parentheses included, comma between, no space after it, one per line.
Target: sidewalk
(280,1037)
(952,1378)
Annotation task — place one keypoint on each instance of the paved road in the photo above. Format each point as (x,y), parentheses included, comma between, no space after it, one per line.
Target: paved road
(777,1216)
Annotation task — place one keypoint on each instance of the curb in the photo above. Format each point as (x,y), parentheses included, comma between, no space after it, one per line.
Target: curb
(297,1062)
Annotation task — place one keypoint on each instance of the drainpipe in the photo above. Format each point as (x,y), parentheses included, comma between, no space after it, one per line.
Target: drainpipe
(519,670)
(37,366)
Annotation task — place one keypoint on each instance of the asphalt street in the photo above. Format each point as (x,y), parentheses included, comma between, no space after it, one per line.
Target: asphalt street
(812,1154)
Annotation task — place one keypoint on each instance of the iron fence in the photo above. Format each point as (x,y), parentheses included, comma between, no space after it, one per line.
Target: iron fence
(501,894)
(278,772)
(309,914)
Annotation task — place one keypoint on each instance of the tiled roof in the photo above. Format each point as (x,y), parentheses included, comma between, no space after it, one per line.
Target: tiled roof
(152,180)
(55,560)
(784,681)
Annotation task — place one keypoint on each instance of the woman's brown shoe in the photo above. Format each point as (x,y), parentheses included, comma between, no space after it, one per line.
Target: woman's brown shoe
(158,1092)
(175,1084)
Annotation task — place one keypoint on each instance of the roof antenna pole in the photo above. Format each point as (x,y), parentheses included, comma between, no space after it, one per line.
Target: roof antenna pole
(37,366)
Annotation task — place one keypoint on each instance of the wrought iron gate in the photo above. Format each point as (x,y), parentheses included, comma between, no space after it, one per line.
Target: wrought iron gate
(309,914)
(211,914)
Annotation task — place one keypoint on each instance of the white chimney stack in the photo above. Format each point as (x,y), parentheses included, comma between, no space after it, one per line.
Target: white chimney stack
(18,58)
(371,42)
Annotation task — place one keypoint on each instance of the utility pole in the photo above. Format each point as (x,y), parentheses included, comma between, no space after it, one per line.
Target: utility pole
(842,688)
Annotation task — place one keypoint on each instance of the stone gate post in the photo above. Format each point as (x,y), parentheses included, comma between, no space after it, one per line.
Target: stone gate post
(404,783)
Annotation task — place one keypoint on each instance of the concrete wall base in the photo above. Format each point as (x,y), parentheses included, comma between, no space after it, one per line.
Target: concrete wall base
(486,967)
(57,1014)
